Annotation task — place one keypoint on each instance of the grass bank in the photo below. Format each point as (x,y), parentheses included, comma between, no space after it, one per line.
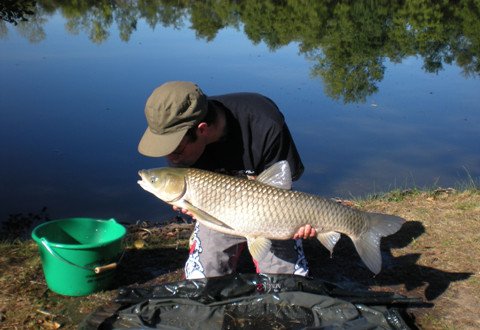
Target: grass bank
(435,256)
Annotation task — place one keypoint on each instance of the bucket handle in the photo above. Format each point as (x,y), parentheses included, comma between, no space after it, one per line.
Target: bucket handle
(96,270)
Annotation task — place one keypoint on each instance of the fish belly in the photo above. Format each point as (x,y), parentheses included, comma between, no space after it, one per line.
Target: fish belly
(255,209)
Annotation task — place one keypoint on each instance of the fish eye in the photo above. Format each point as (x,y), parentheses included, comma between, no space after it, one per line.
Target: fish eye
(153,179)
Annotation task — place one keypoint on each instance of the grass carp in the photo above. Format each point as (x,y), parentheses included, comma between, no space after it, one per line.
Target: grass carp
(266,209)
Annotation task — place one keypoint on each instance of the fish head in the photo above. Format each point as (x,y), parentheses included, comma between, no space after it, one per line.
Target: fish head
(166,183)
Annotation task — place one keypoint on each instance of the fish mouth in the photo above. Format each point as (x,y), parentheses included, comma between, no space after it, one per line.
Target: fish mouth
(148,187)
(143,182)
(142,174)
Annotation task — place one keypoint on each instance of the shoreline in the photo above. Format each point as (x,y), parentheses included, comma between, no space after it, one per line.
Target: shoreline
(435,256)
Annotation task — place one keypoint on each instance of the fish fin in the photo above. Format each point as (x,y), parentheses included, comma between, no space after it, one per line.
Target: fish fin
(329,239)
(258,247)
(202,215)
(278,175)
(368,243)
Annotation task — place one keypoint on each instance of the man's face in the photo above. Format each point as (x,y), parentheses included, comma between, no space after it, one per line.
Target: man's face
(187,152)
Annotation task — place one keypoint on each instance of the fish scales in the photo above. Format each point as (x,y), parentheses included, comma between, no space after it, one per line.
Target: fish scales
(251,207)
(266,209)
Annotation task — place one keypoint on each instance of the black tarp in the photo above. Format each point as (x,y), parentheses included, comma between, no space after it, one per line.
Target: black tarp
(250,301)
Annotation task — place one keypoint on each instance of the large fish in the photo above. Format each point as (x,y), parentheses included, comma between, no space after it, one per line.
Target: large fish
(266,209)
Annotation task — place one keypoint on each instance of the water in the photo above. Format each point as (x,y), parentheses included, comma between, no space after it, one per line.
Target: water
(72,113)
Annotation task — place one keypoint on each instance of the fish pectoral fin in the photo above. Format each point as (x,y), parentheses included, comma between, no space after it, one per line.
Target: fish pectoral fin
(202,215)
(329,239)
(258,247)
(278,175)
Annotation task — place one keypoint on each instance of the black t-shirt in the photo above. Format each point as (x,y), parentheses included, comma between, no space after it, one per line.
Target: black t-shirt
(256,137)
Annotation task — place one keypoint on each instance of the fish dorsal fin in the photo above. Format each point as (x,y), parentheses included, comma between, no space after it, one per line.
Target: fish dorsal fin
(278,175)
(329,239)
(258,247)
(202,215)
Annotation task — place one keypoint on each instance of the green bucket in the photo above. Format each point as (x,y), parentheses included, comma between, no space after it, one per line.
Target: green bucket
(79,255)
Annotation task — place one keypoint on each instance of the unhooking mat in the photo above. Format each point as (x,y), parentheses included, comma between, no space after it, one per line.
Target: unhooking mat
(250,301)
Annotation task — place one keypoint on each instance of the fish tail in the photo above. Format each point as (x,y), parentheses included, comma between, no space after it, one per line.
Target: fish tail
(368,243)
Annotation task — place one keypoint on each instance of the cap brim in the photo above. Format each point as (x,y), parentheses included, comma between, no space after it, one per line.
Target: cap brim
(156,145)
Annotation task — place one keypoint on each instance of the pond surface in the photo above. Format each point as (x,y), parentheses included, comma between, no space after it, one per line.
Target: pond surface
(375,101)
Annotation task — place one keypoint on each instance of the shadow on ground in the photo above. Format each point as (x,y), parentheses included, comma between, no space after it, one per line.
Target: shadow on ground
(145,266)
(347,269)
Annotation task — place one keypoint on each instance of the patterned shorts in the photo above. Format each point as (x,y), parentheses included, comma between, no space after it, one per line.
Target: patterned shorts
(215,254)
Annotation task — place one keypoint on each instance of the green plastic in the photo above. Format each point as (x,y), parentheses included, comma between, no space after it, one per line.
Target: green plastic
(71,250)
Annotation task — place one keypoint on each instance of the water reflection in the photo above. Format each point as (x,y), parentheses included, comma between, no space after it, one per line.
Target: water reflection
(72,109)
(347,42)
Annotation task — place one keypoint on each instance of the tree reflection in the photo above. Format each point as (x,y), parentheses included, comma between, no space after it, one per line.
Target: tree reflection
(14,11)
(347,41)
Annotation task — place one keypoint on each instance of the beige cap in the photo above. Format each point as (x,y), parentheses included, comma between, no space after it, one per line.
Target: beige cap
(171,110)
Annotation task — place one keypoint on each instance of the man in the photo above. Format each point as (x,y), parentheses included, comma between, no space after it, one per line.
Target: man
(238,134)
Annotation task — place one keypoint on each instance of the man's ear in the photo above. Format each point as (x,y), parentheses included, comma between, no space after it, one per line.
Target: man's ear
(202,128)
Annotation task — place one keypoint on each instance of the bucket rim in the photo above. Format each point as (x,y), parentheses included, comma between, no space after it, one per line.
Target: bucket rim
(38,239)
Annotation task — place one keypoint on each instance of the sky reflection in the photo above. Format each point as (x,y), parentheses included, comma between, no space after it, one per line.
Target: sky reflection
(72,116)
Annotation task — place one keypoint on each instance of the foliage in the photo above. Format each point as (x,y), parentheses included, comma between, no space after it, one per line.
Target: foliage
(348,41)
(14,11)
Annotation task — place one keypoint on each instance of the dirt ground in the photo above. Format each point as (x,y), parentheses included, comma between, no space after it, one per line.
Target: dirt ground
(435,257)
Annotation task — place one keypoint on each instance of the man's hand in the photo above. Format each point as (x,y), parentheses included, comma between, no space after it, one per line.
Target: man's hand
(305,232)
(184,211)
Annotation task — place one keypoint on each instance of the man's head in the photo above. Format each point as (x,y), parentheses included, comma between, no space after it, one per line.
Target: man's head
(171,110)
